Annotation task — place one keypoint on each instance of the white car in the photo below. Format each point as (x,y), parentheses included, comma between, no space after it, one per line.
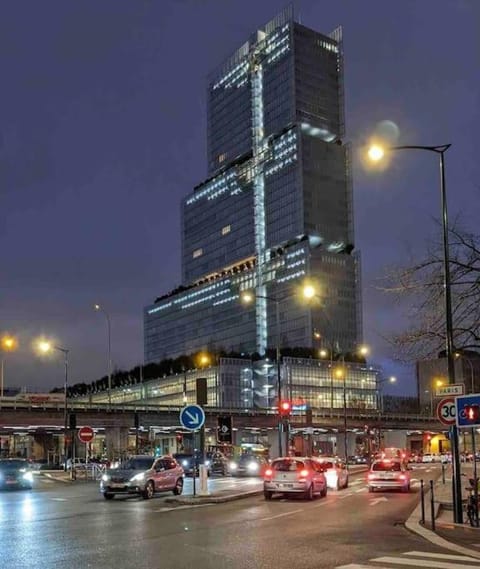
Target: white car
(428,458)
(336,471)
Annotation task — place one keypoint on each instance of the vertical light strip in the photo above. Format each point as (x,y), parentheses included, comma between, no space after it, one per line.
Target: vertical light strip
(259,147)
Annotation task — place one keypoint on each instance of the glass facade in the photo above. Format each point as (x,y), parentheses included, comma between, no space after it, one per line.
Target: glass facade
(275,210)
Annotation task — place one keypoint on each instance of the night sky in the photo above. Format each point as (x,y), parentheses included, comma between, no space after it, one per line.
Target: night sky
(103,130)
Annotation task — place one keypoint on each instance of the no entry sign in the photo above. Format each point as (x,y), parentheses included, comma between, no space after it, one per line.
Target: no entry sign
(86,434)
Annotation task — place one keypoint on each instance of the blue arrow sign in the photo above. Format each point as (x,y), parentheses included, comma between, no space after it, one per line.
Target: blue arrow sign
(468,410)
(192,417)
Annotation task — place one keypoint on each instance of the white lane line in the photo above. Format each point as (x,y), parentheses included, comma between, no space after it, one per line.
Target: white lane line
(185,507)
(281,515)
(359,566)
(60,499)
(361,490)
(445,556)
(419,562)
(345,496)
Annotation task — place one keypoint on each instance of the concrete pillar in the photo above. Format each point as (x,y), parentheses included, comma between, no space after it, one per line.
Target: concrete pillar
(116,439)
(340,446)
(273,442)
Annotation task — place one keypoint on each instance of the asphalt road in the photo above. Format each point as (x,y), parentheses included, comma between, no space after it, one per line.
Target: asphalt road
(60,525)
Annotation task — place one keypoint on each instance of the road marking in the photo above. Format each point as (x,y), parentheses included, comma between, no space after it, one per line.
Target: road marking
(361,490)
(60,499)
(442,556)
(435,563)
(185,507)
(359,566)
(281,515)
(376,501)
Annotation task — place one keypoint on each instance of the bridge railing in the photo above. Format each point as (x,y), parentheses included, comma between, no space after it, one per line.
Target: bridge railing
(324,414)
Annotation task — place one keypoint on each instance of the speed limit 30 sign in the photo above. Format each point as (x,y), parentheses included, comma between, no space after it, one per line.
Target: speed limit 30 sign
(446,411)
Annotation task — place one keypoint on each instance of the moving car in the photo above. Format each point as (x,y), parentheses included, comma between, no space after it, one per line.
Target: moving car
(249,465)
(294,475)
(15,473)
(143,475)
(386,474)
(336,471)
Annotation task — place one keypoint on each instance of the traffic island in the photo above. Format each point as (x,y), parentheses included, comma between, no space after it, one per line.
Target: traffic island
(217,498)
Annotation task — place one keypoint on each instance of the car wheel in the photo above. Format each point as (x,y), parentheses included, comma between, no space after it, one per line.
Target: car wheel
(108,496)
(406,488)
(371,489)
(337,487)
(346,483)
(309,493)
(267,495)
(178,487)
(149,491)
(323,493)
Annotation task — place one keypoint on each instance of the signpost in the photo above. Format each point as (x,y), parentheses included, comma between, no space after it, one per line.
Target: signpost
(192,417)
(446,411)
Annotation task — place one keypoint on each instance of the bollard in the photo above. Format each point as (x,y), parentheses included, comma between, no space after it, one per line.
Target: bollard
(432,505)
(422,501)
(194,473)
(443,473)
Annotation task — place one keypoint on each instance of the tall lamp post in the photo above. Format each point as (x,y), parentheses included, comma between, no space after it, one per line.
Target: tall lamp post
(45,347)
(377,153)
(247,297)
(392,379)
(472,374)
(100,308)
(7,344)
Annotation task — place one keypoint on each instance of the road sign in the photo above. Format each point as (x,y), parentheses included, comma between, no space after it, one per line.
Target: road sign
(86,434)
(452,389)
(468,410)
(192,417)
(446,411)
(225,430)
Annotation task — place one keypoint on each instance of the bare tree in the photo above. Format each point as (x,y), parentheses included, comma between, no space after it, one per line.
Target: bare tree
(421,285)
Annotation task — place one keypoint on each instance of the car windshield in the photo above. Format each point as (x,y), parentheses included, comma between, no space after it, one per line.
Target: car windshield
(387,466)
(12,464)
(182,456)
(287,465)
(138,463)
(247,458)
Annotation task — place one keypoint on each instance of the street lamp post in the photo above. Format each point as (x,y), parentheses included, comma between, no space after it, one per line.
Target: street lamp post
(46,347)
(7,344)
(472,375)
(381,383)
(99,308)
(376,153)
(308,292)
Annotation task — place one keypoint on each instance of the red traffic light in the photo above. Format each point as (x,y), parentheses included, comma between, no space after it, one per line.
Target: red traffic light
(285,408)
(472,413)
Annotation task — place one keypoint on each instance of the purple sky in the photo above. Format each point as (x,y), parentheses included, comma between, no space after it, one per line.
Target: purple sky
(103,130)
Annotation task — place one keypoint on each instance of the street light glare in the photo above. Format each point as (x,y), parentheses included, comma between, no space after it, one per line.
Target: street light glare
(309,291)
(9,343)
(376,153)
(44,346)
(96,306)
(323,353)
(364,350)
(247,297)
(393,379)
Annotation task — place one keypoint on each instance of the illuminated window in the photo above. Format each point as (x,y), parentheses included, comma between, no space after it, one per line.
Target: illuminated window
(197,253)
(221,158)
(226,229)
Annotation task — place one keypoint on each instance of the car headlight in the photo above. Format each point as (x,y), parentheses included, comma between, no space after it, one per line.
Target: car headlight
(184,462)
(105,477)
(137,477)
(232,466)
(28,476)
(252,466)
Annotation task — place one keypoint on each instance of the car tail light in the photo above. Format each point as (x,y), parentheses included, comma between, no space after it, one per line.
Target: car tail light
(268,473)
(402,477)
(303,473)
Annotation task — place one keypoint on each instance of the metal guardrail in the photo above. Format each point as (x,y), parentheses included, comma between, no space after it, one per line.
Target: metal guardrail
(146,408)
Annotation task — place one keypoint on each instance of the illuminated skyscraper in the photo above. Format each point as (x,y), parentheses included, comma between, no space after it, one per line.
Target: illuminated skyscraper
(275,210)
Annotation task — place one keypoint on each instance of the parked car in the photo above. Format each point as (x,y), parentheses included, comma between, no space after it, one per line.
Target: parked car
(249,465)
(336,471)
(143,475)
(427,458)
(15,473)
(294,475)
(358,459)
(388,474)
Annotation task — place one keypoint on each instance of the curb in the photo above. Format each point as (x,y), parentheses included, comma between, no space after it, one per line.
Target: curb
(189,501)
(413,524)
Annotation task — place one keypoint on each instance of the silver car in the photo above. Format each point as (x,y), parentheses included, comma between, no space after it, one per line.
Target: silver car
(293,475)
(143,475)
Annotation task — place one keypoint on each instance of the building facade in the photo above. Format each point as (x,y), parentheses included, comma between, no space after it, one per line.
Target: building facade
(275,211)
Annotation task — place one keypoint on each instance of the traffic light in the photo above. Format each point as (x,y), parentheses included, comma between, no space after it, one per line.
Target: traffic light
(472,413)
(285,408)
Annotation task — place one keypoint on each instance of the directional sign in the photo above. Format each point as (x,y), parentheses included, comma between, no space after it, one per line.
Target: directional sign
(192,417)
(446,411)
(225,430)
(468,410)
(86,434)
(451,389)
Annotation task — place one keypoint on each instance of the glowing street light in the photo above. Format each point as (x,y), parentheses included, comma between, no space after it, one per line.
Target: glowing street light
(376,152)
(100,308)
(309,291)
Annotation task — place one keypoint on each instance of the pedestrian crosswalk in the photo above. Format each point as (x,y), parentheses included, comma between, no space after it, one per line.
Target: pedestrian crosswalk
(417,559)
